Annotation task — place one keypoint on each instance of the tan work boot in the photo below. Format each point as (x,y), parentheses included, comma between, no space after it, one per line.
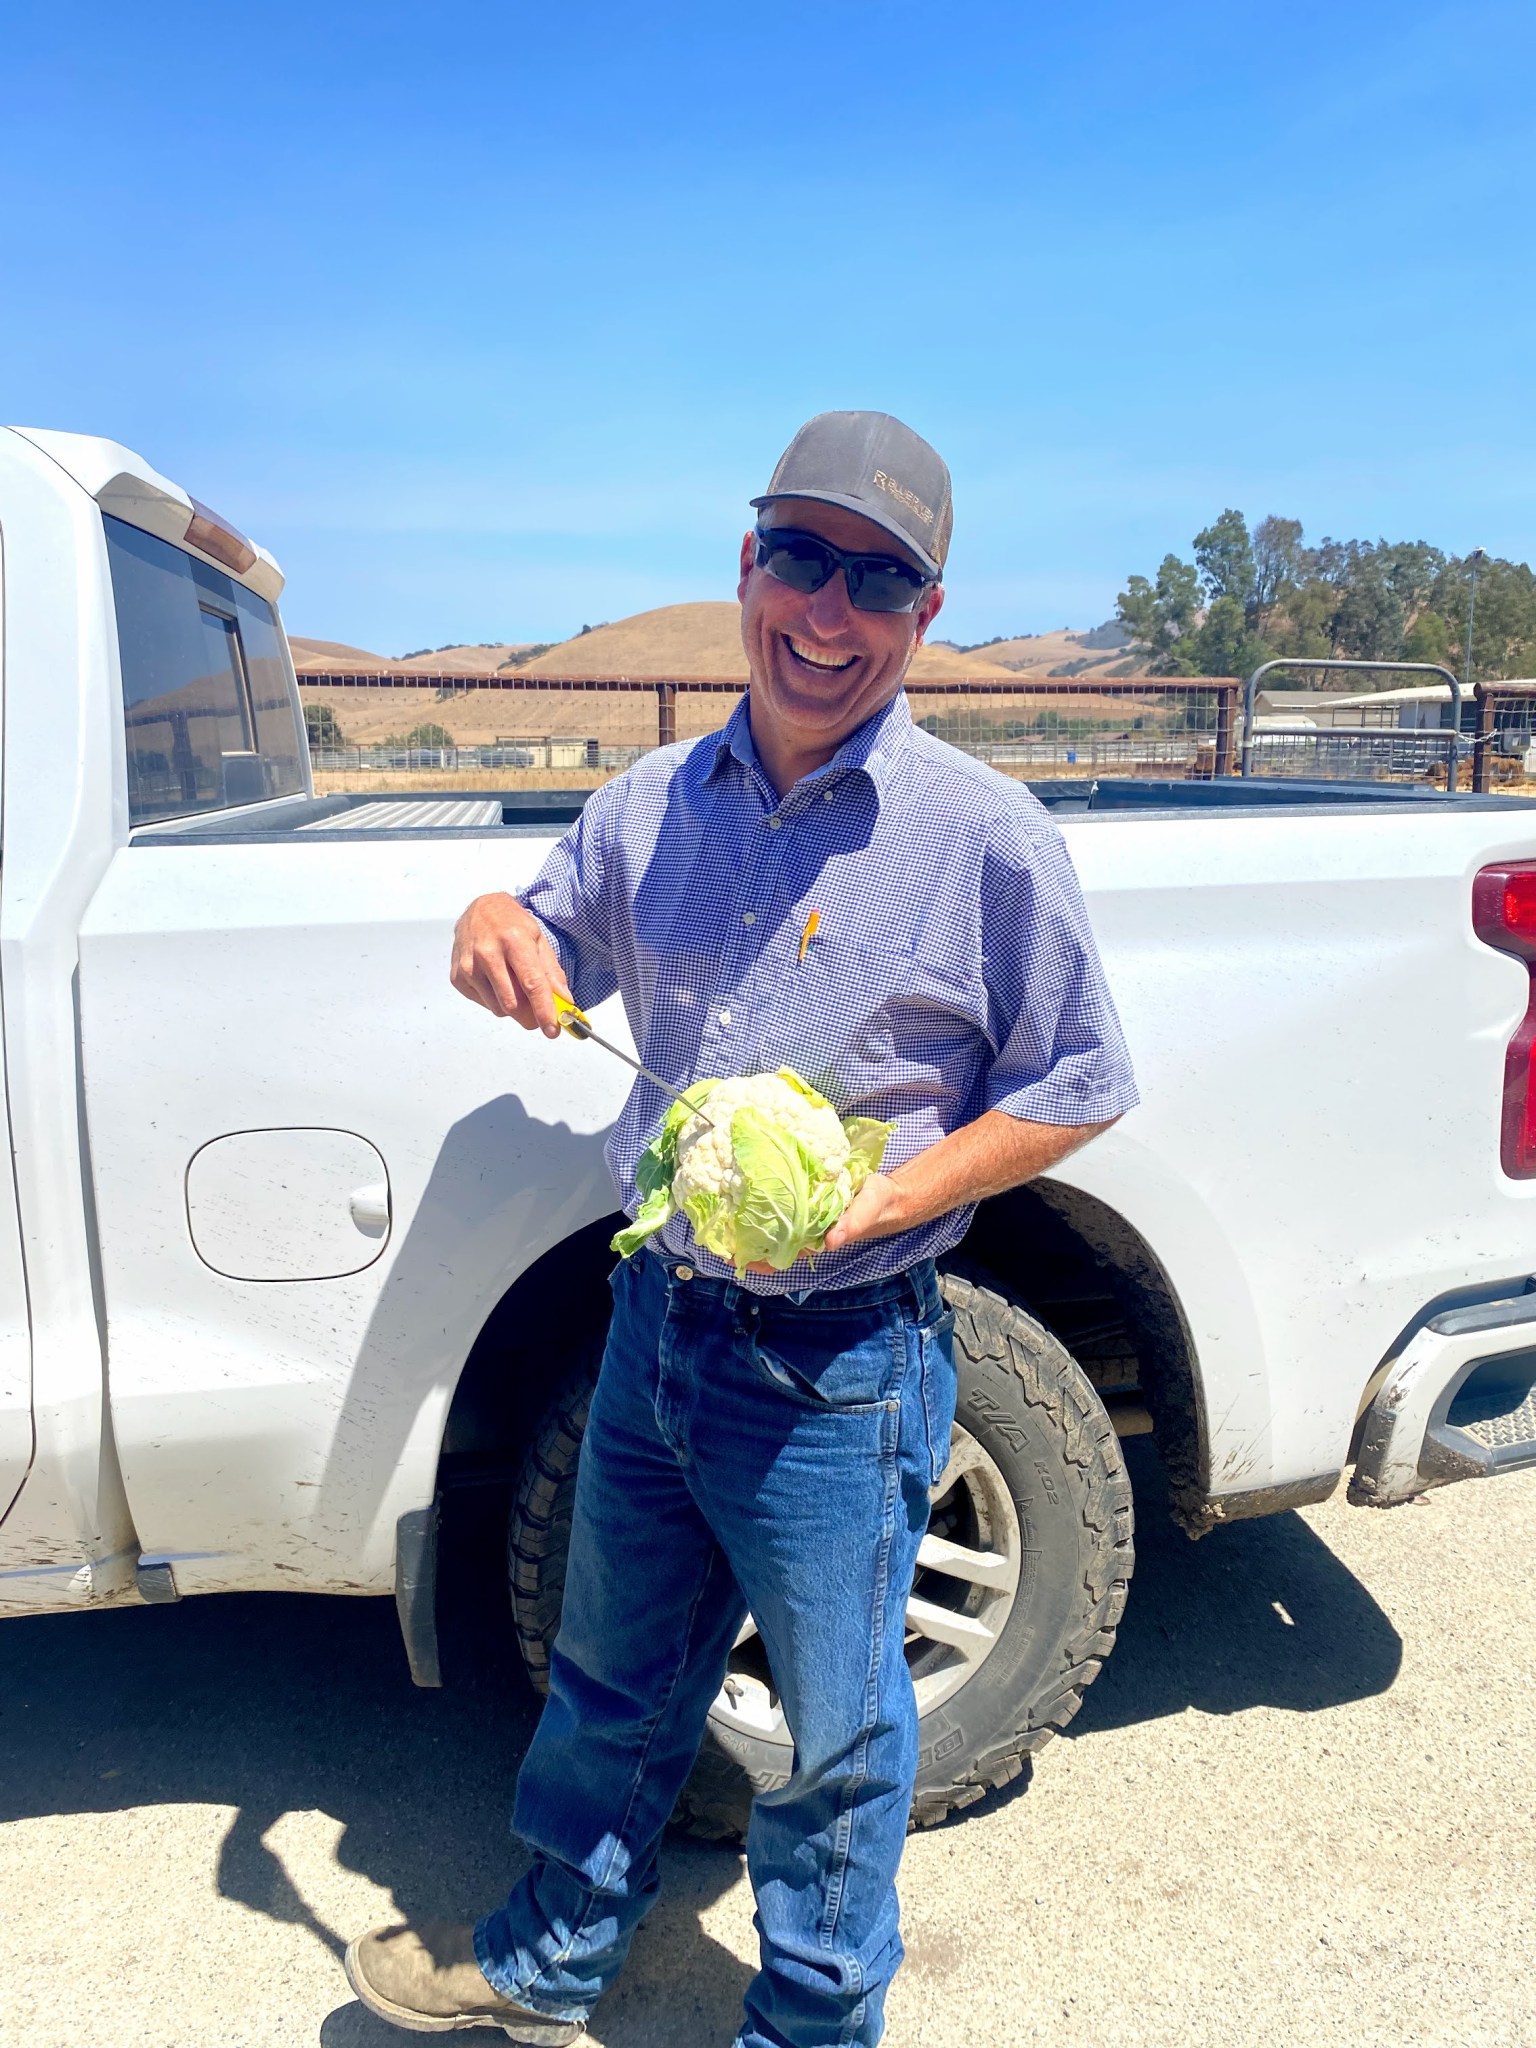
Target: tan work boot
(427,1980)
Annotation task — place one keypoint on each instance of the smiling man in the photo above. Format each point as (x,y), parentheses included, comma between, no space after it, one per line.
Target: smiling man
(767,1446)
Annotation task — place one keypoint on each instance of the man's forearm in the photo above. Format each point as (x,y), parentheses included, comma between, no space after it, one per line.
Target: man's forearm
(987,1157)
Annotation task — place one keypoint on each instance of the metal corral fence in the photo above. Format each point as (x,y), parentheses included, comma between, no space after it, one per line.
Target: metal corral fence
(543,750)
(1504,733)
(1423,732)
(1037,728)
(1408,739)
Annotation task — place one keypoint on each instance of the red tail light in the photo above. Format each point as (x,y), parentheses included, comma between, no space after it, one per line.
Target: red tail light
(1504,916)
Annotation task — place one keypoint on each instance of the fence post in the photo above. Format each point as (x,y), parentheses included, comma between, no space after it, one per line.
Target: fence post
(666,714)
(1225,698)
(1482,743)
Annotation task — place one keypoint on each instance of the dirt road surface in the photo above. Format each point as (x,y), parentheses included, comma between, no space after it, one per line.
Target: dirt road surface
(1296,1810)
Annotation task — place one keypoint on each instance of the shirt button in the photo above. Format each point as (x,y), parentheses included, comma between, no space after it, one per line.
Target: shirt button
(685,1272)
(749,917)
(827,795)
(725,1016)
(775,824)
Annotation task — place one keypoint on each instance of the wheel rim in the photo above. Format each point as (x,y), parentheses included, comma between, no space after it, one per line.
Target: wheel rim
(962,1596)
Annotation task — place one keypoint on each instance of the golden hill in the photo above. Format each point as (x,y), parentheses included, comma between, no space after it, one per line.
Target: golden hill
(1060,653)
(319,657)
(703,639)
(675,640)
(335,657)
(461,661)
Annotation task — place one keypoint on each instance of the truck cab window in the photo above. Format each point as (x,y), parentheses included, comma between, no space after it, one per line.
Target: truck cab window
(210,713)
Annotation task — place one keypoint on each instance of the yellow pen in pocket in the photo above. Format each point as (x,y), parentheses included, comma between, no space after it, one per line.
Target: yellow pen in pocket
(812,925)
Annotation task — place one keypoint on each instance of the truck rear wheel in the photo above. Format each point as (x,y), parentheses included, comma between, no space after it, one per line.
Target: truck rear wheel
(1020,1585)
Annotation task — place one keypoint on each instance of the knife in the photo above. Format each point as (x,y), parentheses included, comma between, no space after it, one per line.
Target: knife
(577,1024)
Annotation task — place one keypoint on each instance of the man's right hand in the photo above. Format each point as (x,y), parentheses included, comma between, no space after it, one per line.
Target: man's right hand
(503,961)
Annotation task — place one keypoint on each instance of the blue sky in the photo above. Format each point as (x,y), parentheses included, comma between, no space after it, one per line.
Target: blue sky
(488,319)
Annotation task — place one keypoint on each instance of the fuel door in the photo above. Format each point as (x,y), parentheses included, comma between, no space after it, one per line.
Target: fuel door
(298,1204)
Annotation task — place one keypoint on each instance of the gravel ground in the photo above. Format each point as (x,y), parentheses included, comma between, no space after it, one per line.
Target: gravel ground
(1294,1810)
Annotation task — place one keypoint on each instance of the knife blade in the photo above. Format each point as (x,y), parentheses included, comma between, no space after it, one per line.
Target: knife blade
(578,1025)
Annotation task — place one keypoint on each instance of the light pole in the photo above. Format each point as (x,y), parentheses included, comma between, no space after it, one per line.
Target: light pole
(1474,562)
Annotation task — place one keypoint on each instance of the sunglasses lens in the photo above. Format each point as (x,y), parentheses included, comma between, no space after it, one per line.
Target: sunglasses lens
(883,586)
(796,559)
(876,583)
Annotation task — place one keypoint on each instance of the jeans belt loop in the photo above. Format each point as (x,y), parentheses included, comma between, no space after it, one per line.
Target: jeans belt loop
(925,1292)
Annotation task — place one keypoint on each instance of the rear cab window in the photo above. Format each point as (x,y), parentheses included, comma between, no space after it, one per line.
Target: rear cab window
(211,715)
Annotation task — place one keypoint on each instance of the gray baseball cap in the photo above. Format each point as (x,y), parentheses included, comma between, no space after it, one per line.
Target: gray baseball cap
(869,463)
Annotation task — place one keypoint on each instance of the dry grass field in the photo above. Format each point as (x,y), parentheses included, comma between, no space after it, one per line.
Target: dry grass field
(1062,652)
(672,641)
(368,717)
(340,658)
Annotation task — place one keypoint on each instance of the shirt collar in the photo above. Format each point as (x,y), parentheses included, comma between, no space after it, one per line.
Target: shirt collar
(871,747)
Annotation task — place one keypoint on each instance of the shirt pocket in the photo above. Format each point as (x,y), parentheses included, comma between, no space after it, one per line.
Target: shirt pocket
(851,1014)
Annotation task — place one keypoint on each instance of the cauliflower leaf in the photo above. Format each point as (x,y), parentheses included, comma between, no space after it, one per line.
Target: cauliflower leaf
(867,1139)
(803,1088)
(654,1213)
(773,1215)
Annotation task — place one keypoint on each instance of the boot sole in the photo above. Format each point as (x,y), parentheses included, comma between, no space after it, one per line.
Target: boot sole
(534,2032)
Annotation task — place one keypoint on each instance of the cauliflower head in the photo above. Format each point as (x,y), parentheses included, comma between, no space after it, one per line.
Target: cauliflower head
(762,1174)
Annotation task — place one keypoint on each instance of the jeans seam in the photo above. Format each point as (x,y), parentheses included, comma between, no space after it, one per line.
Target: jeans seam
(843,1831)
(594,1891)
(650,1736)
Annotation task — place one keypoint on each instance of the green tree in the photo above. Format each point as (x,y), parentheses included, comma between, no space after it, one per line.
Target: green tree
(1279,564)
(429,736)
(1368,620)
(1411,567)
(1429,639)
(1161,614)
(1250,595)
(1222,644)
(1504,628)
(1224,555)
(1299,624)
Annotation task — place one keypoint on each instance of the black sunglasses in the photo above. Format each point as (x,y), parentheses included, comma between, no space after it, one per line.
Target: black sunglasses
(876,583)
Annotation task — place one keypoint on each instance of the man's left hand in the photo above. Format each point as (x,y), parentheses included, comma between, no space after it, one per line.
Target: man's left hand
(980,1159)
(877,1210)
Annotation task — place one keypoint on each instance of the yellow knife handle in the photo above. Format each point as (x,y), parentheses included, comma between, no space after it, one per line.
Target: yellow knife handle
(571,1019)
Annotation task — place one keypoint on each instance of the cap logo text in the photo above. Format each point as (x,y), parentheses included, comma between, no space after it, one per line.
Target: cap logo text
(906,497)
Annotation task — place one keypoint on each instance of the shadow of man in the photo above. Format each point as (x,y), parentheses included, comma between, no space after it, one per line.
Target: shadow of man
(283,1703)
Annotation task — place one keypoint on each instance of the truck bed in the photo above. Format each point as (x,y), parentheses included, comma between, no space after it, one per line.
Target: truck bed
(536,813)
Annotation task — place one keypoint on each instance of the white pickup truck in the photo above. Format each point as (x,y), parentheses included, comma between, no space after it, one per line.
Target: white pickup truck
(296,1241)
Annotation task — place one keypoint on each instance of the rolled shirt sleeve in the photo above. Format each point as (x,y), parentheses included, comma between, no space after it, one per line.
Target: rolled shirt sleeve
(1061,1056)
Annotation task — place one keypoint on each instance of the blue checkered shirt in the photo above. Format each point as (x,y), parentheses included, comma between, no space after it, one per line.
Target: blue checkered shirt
(952,970)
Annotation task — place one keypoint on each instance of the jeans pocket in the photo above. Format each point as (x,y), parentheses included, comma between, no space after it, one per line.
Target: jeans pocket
(937,1367)
(831,1359)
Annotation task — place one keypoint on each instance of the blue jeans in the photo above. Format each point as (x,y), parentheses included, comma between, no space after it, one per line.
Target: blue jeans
(743,1452)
